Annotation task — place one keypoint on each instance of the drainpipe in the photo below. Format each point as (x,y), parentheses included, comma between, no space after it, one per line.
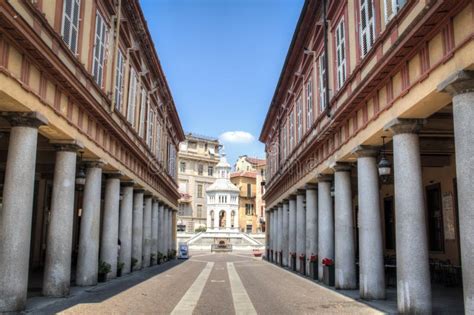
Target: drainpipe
(326,58)
(116,48)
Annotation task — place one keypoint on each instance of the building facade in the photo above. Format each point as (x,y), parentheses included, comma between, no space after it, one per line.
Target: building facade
(223,200)
(197,158)
(89,136)
(255,168)
(375,103)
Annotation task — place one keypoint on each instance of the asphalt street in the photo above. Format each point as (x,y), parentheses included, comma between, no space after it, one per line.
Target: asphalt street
(226,283)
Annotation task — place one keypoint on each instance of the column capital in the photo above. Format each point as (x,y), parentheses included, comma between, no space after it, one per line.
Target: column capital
(366,151)
(324,178)
(301,192)
(311,186)
(292,196)
(341,166)
(129,183)
(285,201)
(94,163)
(148,194)
(111,175)
(67,145)
(139,191)
(458,83)
(280,204)
(403,125)
(25,119)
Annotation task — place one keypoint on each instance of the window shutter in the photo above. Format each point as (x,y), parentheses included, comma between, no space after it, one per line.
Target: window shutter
(132,96)
(309,103)
(70,23)
(143,104)
(322,83)
(340,52)
(99,49)
(119,81)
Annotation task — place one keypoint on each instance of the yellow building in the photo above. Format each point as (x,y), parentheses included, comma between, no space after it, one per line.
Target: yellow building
(88,148)
(257,168)
(248,217)
(359,74)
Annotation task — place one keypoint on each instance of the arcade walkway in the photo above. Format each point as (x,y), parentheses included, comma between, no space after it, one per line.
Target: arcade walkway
(206,284)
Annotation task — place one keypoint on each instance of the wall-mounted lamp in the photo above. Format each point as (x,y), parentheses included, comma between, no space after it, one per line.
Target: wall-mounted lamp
(384,166)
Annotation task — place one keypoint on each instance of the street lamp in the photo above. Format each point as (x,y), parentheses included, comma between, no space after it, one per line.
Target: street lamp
(81,174)
(384,166)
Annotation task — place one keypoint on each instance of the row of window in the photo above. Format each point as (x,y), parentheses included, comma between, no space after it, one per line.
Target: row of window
(139,111)
(302,113)
(200,169)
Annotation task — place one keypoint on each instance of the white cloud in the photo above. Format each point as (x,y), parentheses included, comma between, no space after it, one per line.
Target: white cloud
(236,137)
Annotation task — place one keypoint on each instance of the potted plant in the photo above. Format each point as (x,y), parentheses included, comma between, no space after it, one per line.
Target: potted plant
(159,258)
(152,258)
(172,254)
(104,269)
(134,263)
(328,271)
(120,266)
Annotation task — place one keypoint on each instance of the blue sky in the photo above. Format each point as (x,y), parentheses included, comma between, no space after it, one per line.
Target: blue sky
(222,60)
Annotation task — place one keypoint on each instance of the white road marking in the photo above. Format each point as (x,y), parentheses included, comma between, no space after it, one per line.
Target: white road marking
(190,299)
(242,302)
(218,281)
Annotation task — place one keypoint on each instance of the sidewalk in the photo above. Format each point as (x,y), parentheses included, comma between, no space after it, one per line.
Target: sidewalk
(41,304)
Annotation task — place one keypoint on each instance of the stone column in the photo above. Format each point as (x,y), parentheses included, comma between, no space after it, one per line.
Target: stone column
(17,212)
(137,229)
(88,255)
(325,222)
(285,232)
(146,250)
(274,233)
(371,263)
(461,87)
(110,227)
(126,222)
(300,228)
(345,276)
(267,233)
(413,272)
(166,230)
(280,233)
(228,219)
(271,227)
(57,269)
(208,219)
(311,225)
(161,230)
(292,230)
(216,220)
(154,231)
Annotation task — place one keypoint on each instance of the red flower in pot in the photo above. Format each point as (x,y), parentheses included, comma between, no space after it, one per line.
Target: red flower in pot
(313,258)
(293,254)
(328,262)
(302,256)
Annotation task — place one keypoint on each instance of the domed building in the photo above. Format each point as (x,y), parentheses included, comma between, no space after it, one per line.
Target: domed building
(222,200)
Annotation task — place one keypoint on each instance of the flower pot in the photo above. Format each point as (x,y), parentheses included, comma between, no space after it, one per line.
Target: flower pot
(313,270)
(328,275)
(102,277)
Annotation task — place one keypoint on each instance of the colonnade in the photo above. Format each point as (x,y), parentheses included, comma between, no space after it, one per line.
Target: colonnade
(313,223)
(135,228)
